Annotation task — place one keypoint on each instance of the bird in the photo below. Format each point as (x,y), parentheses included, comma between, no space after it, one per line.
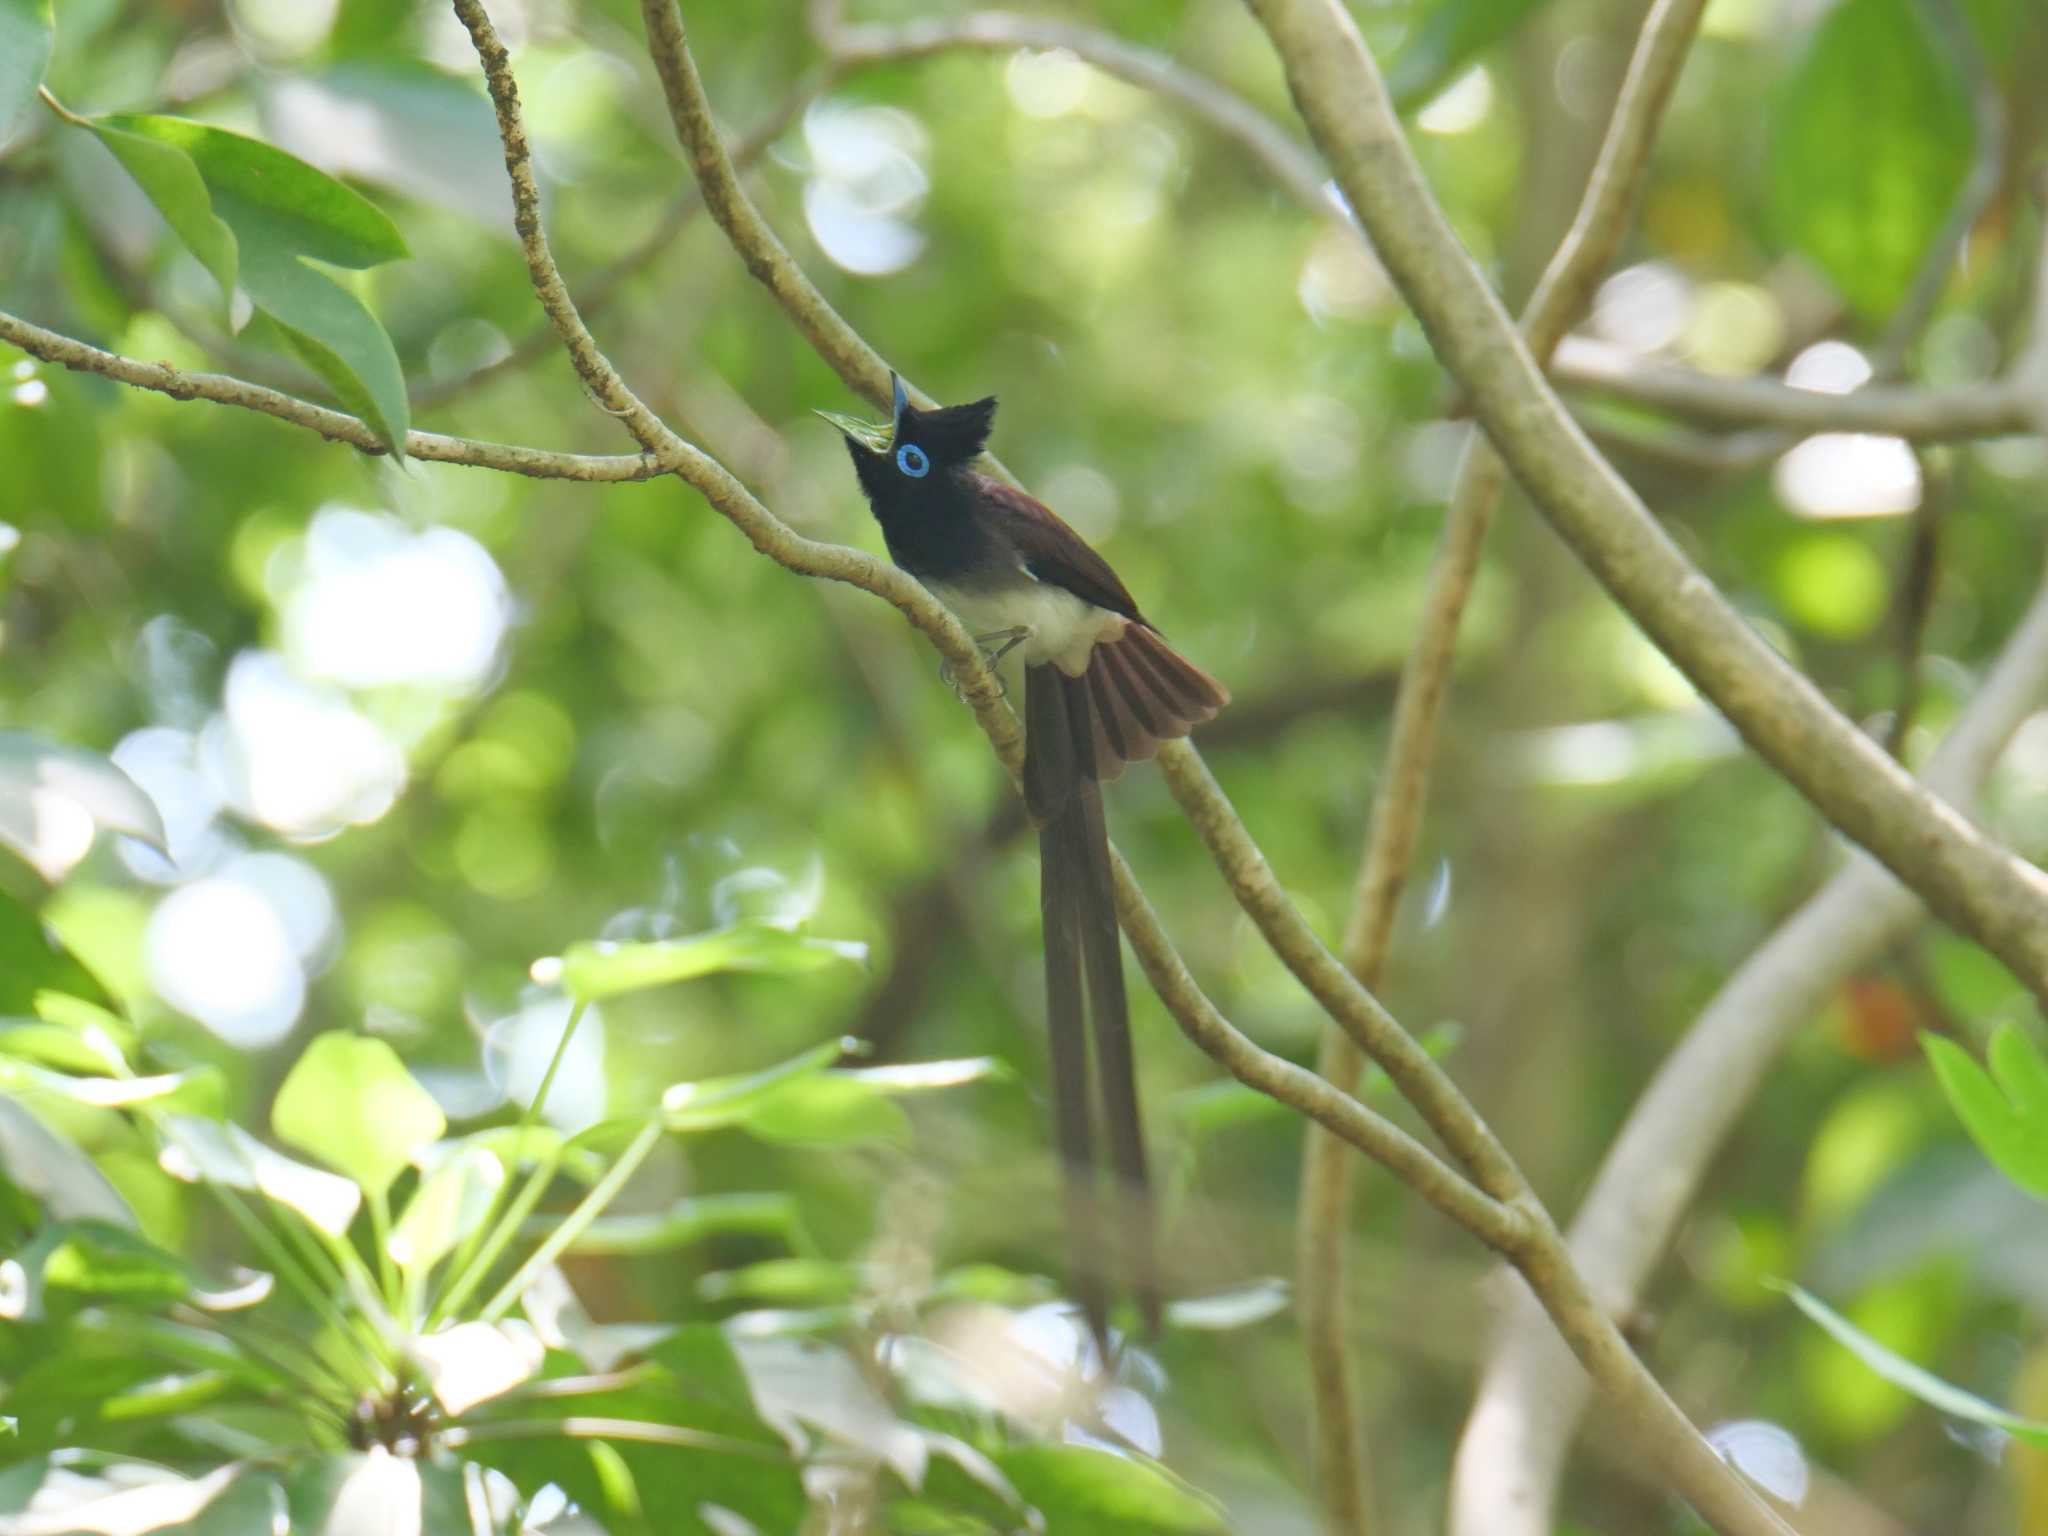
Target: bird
(1102,689)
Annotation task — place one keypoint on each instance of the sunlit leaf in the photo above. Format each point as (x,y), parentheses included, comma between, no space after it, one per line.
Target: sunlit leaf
(53,1045)
(721,1101)
(32,962)
(165,1395)
(200,1151)
(1223,1310)
(26,32)
(799,1384)
(924,1076)
(350,1102)
(474,1362)
(1078,1487)
(691,1220)
(603,968)
(829,1109)
(163,1088)
(1871,140)
(2005,1110)
(54,1172)
(783,1282)
(1903,1373)
(52,797)
(348,1495)
(449,1204)
(99,1259)
(146,1499)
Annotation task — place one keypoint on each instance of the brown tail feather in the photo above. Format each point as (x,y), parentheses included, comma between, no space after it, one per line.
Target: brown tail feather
(1121,733)
(1145,692)
(1199,696)
(1134,687)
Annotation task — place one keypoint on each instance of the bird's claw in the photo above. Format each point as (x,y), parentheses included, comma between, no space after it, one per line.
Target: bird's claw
(994,647)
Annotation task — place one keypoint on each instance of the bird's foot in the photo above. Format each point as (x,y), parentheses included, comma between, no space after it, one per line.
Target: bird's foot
(994,647)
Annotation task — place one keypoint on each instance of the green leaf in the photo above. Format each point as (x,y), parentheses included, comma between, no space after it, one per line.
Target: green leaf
(198,1151)
(54,1172)
(174,184)
(1451,34)
(334,334)
(201,1084)
(55,1046)
(280,213)
(448,1205)
(722,1101)
(783,1282)
(1872,138)
(33,963)
(262,191)
(472,1363)
(101,1259)
(26,31)
(831,1109)
(1903,1373)
(691,1220)
(1080,1488)
(350,1102)
(2017,1064)
(1221,1311)
(47,789)
(602,968)
(2012,1131)
(345,1495)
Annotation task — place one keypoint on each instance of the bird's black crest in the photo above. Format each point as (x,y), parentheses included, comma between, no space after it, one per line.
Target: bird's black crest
(951,434)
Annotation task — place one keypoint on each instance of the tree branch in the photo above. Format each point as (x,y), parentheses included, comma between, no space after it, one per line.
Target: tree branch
(1495,1223)
(335,426)
(1965,876)
(1291,164)
(1566,287)
(1530,1400)
(1996,409)
(605,286)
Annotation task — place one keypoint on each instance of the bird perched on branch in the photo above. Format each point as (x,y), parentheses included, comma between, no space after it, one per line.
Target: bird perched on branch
(1101,689)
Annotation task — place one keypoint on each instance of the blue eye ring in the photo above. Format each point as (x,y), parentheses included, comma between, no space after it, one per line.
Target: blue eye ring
(912,461)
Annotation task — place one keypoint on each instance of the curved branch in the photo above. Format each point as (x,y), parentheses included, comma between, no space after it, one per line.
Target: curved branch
(1292,164)
(1996,409)
(335,426)
(1969,879)
(1566,287)
(1530,1400)
(1499,1225)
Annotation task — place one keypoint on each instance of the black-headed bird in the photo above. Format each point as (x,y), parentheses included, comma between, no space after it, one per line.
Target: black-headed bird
(1101,689)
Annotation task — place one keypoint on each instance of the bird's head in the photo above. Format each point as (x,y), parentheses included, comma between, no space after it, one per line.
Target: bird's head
(917,453)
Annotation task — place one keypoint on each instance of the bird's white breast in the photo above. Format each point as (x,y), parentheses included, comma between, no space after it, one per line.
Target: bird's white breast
(1064,628)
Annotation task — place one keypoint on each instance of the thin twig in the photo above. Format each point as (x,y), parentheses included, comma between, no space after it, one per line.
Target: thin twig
(1998,408)
(1498,1225)
(1292,164)
(604,287)
(335,426)
(1605,213)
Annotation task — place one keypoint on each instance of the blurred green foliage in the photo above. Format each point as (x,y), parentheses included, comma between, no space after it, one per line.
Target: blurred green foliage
(665,747)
